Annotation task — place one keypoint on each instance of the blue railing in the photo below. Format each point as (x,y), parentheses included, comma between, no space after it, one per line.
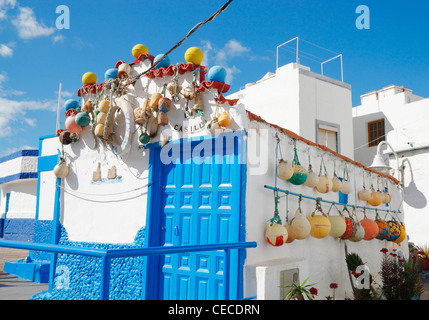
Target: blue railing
(107,254)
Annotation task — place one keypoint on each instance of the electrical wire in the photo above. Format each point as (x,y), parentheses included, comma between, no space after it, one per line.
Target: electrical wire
(223,8)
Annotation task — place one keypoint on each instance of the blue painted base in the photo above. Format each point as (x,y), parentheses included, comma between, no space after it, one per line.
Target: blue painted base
(27,269)
(18,229)
(78,277)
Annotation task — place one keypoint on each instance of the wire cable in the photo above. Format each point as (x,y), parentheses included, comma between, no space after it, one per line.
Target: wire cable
(214,15)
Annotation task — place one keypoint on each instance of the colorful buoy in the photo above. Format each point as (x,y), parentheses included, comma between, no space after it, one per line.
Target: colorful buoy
(320,226)
(370,227)
(383,229)
(89,78)
(71,125)
(216,73)
(276,235)
(301,225)
(82,119)
(350,229)
(299,175)
(338,226)
(194,55)
(164,63)
(111,73)
(138,50)
(71,104)
(402,235)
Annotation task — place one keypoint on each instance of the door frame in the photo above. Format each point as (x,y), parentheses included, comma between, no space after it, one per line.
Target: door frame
(153,235)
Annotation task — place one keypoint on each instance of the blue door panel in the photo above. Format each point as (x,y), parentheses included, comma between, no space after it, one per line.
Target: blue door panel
(200,203)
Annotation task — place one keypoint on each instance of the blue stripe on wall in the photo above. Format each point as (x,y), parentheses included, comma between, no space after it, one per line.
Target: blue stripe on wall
(21,153)
(18,176)
(47,163)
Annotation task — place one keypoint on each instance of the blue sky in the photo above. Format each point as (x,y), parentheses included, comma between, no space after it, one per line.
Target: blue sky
(35,56)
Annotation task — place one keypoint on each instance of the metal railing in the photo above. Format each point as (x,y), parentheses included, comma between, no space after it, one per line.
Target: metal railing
(107,254)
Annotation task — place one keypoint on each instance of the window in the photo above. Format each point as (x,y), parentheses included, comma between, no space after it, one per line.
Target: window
(327,136)
(376,132)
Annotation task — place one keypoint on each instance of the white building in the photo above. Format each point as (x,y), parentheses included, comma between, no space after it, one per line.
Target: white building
(18,183)
(189,187)
(313,106)
(395,115)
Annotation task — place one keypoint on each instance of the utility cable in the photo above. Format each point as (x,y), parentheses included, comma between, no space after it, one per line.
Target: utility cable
(223,8)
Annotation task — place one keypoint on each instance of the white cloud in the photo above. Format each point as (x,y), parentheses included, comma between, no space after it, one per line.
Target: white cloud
(5,51)
(223,56)
(7,92)
(27,25)
(58,38)
(65,94)
(30,122)
(4,6)
(6,3)
(12,111)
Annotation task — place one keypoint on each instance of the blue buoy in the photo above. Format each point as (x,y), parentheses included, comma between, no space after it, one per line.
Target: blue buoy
(111,74)
(71,104)
(82,119)
(216,73)
(164,63)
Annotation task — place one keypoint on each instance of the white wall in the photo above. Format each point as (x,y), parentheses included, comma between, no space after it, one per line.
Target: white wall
(113,211)
(22,201)
(406,117)
(294,98)
(320,259)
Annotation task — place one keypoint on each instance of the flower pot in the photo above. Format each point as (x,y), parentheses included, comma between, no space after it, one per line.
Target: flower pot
(424,262)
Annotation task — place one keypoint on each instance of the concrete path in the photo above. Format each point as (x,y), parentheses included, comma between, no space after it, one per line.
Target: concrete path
(12,287)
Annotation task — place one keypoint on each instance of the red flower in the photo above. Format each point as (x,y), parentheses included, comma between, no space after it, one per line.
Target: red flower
(393,254)
(333,286)
(313,291)
(384,250)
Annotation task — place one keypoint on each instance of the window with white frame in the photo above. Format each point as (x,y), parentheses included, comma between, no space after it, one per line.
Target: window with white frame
(328,136)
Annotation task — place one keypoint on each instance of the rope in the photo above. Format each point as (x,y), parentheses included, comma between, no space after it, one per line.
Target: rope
(276,218)
(104,194)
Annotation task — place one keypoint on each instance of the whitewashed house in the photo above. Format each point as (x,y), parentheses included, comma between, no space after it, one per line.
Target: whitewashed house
(398,117)
(18,183)
(188,185)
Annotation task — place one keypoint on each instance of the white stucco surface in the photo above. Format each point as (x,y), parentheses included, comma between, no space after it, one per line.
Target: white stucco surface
(405,116)
(113,211)
(295,98)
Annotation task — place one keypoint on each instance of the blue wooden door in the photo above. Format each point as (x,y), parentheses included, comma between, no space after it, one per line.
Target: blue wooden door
(201,203)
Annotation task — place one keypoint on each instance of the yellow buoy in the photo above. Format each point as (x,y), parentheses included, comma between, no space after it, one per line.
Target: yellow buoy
(194,55)
(320,226)
(402,235)
(376,198)
(138,50)
(104,106)
(89,78)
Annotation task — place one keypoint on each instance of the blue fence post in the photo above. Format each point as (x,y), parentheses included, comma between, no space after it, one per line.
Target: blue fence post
(226,272)
(55,232)
(105,277)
